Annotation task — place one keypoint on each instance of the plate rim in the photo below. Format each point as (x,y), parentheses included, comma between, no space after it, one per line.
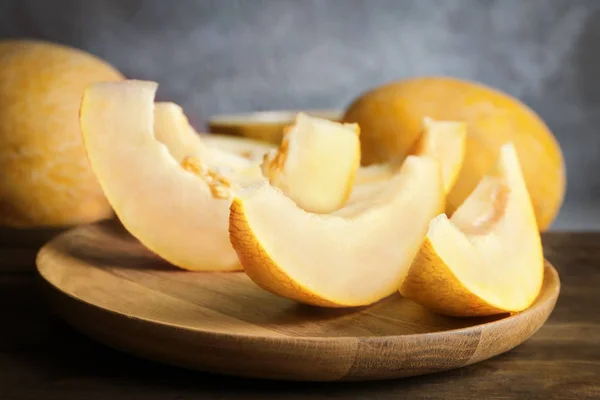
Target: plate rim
(47,247)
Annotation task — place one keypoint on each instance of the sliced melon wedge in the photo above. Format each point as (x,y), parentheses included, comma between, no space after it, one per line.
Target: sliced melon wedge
(226,157)
(179,213)
(329,260)
(316,163)
(443,140)
(250,149)
(172,128)
(376,172)
(487,258)
(446,142)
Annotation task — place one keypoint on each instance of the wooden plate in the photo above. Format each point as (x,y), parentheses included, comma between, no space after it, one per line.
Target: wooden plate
(102,281)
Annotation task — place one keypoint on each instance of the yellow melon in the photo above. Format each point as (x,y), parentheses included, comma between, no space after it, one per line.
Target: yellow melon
(390,119)
(227,156)
(251,149)
(443,140)
(343,259)
(162,190)
(316,163)
(488,257)
(45,177)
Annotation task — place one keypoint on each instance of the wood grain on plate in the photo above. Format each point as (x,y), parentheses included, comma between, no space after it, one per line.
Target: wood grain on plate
(104,282)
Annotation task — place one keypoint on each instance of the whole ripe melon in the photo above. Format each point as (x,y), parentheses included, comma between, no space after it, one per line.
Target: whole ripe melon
(390,117)
(45,177)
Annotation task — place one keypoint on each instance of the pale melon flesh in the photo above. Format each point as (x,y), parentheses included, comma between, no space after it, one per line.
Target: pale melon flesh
(172,211)
(488,257)
(446,142)
(443,140)
(250,149)
(225,156)
(172,128)
(316,163)
(331,260)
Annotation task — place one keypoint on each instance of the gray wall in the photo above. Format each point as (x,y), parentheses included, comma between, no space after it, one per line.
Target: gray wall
(225,56)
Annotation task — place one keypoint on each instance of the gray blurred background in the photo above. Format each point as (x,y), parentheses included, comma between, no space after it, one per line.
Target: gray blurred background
(227,56)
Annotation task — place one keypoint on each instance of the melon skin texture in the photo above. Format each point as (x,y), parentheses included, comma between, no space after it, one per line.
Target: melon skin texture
(342,259)
(45,177)
(487,259)
(390,119)
(179,213)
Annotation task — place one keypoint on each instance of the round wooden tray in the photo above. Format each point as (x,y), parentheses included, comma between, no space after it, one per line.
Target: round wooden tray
(103,282)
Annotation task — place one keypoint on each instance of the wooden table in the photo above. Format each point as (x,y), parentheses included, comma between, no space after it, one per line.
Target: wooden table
(41,357)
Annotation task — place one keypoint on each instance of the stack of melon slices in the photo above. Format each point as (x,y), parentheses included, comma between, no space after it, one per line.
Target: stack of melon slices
(304,220)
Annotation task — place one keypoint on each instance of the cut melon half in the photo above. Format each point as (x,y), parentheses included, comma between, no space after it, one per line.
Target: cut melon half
(330,260)
(487,259)
(316,163)
(176,206)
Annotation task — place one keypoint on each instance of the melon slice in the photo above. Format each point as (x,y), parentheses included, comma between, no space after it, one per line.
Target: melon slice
(487,258)
(250,149)
(443,140)
(446,142)
(330,260)
(316,163)
(226,157)
(172,128)
(179,213)
(375,172)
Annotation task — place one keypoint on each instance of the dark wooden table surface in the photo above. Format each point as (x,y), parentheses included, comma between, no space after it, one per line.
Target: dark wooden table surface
(43,358)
